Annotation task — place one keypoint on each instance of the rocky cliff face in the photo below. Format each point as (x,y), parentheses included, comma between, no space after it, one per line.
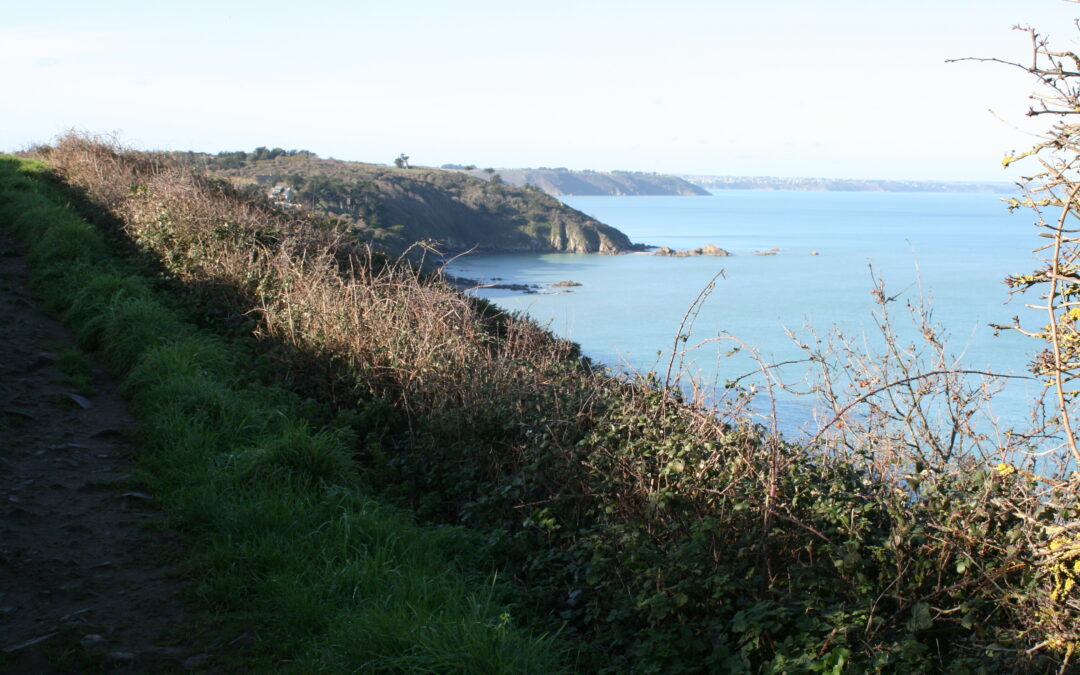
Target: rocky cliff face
(464,213)
(576,237)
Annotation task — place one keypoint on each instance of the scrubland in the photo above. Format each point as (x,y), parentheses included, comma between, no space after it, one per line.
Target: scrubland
(381,474)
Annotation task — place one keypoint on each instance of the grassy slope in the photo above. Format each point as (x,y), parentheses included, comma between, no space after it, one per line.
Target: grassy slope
(283,541)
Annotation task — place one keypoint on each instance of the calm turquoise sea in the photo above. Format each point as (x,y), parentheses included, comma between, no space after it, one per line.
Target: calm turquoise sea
(954,249)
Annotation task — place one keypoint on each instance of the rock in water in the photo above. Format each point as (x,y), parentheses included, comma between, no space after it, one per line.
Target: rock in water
(707,249)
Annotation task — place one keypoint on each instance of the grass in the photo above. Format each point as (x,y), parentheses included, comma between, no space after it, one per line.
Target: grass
(75,365)
(284,543)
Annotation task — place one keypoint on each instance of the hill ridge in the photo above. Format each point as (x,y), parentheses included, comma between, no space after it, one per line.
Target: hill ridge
(395,207)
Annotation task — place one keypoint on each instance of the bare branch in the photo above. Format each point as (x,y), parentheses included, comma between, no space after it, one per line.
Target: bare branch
(903,381)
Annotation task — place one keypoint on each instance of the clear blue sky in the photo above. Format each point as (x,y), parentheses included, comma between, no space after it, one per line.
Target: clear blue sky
(841,88)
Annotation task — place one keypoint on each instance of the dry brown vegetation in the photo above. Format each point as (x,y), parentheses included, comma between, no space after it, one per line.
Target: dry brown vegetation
(307,285)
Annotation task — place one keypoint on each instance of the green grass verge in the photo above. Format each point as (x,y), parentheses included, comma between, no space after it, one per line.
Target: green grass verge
(283,543)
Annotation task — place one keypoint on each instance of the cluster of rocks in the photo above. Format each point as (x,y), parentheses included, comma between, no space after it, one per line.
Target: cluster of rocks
(520,288)
(707,249)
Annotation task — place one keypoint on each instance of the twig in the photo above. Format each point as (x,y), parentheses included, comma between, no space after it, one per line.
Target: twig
(907,380)
(1055,337)
(690,311)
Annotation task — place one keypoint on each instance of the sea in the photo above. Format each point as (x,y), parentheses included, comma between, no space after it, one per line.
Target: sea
(802,271)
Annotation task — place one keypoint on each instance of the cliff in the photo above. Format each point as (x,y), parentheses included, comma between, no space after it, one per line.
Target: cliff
(394,207)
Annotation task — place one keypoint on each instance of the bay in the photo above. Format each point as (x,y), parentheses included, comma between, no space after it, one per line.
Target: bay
(798,259)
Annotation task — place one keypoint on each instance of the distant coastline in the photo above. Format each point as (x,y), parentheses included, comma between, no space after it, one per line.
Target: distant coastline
(561,181)
(845,184)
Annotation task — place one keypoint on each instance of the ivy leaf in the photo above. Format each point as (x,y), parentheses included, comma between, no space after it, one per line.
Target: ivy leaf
(920,618)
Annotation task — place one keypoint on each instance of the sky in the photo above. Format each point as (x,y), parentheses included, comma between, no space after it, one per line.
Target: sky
(833,88)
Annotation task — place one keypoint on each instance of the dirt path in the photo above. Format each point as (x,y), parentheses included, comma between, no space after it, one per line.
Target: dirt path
(86,580)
